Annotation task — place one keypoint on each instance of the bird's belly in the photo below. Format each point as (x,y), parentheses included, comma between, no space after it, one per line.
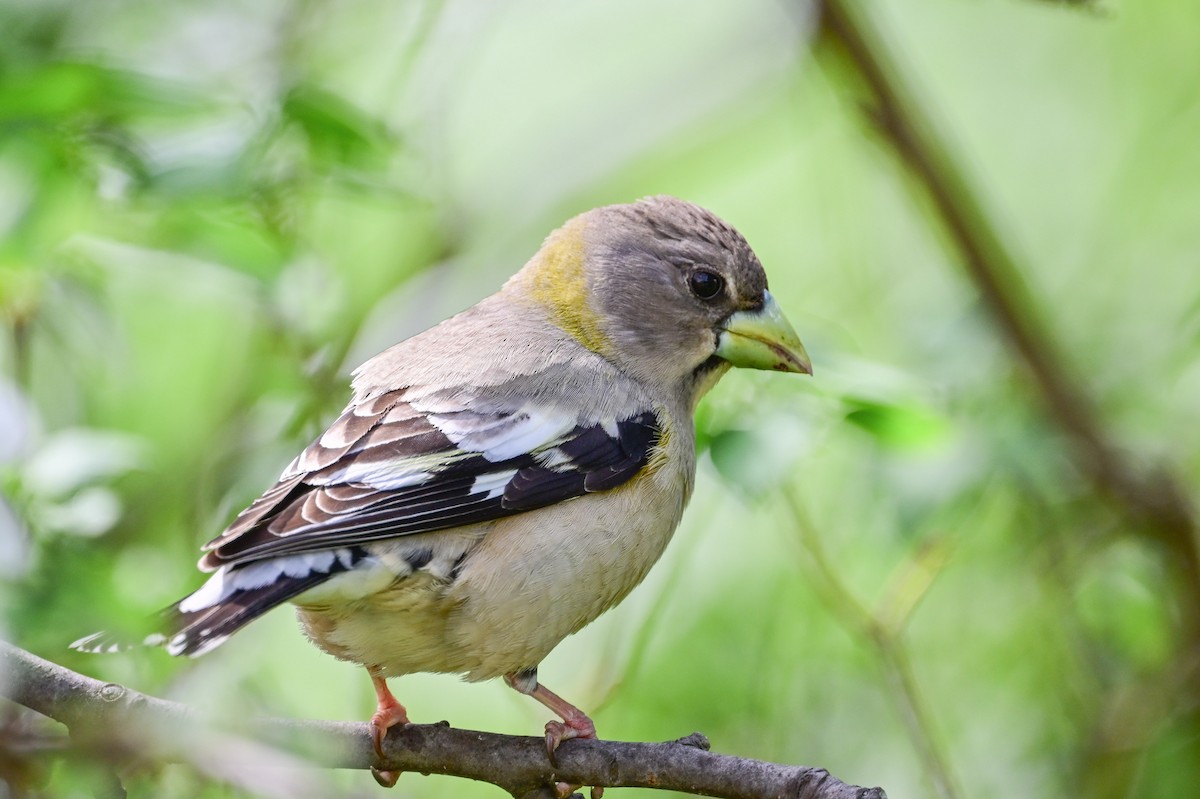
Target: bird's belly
(538,577)
(400,630)
(388,617)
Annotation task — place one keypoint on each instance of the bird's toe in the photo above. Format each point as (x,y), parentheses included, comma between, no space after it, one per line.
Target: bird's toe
(386,779)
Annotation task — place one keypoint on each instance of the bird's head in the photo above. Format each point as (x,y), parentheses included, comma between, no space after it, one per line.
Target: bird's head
(666,291)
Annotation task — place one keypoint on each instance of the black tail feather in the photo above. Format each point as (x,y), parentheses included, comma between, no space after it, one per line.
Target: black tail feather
(194,632)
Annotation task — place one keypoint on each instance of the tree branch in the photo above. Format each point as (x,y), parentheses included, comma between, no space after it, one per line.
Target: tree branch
(1151,495)
(97,713)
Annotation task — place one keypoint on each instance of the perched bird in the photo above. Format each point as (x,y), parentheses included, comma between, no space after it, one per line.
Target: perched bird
(503,478)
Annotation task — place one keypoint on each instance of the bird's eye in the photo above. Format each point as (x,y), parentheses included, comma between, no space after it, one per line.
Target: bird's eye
(705,284)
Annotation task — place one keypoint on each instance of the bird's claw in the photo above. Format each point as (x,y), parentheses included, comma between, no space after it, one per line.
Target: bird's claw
(384,719)
(386,779)
(555,734)
(565,790)
(559,731)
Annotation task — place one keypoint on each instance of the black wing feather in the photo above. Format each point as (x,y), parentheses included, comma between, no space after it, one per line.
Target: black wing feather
(589,460)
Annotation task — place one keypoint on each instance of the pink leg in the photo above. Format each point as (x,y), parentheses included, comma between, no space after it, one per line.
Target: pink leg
(574,724)
(389,713)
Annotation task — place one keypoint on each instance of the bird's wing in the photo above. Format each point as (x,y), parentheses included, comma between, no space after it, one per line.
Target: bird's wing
(406,462)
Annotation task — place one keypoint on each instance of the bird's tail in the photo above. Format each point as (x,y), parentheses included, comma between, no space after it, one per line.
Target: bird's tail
(232,598)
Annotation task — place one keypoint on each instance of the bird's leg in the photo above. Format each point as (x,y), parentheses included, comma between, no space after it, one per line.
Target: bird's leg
(388,714)
(574,724)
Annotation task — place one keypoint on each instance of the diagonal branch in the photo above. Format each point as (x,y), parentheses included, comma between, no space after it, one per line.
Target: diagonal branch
(96,713)
(1151,495)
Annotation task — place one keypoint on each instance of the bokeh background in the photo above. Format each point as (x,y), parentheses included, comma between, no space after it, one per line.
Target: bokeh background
(905,569)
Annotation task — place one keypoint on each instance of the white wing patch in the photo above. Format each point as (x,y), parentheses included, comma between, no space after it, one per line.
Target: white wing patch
(493,483)
(553,458)
(501,437)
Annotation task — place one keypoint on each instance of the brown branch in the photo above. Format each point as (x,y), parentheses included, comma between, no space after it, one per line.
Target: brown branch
(1152,495)
(97,713)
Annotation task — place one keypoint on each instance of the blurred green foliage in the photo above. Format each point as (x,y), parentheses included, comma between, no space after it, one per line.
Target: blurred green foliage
(209,213)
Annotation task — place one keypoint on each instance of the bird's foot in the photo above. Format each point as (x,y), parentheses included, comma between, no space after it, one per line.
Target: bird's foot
(384,719)
(388,714)
(573,725)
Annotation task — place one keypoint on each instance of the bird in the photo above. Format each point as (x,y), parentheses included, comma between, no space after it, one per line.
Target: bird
(503,478)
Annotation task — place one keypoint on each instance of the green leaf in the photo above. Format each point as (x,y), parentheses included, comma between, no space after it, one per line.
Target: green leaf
(337,132)
(64,89)
(898,426)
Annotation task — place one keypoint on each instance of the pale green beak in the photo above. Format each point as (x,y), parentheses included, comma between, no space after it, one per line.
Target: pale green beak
(763,339)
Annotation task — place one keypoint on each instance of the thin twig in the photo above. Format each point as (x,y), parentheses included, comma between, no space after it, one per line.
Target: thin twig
(886,637)
(94,710)
(1152,495)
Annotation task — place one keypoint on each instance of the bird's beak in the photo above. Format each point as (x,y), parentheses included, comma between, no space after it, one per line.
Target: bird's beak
(763,339)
